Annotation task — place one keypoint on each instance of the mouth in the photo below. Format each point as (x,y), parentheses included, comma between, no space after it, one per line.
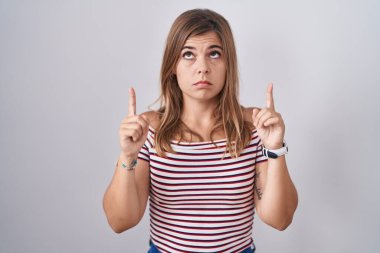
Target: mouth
(203,83)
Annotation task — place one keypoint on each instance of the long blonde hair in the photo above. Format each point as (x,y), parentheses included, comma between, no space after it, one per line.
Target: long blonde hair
(228,113)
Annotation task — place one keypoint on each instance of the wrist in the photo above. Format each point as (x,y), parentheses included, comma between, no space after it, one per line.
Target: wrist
(127,162)
(127,158)
(274,144)
(276,152)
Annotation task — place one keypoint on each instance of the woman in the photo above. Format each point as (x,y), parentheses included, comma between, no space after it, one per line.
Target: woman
(202,159)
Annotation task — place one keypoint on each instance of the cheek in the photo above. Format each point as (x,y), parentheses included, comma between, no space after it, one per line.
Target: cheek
(181,74)
(180,69)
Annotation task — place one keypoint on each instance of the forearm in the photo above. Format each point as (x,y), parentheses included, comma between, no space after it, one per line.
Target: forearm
(121,200)
(279,198)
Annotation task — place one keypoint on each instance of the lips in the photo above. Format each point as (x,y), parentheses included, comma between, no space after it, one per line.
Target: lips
(203,83)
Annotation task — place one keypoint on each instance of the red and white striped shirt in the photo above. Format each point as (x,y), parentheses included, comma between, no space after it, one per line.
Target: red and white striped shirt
(200,202)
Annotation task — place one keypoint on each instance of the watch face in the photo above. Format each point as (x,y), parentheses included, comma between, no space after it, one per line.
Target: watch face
(272,155)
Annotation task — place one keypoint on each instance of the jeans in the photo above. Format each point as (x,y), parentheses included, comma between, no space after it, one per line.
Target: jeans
(153,249)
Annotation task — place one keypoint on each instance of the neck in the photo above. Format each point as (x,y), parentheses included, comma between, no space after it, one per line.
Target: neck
(199,115)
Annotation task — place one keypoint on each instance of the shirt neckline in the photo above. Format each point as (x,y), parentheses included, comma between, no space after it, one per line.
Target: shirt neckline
(193,142)
(198,142)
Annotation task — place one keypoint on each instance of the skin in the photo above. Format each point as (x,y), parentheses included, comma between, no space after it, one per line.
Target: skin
(201,59)
(276,198)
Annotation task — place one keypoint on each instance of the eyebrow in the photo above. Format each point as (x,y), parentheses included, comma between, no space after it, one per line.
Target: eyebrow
(210,47)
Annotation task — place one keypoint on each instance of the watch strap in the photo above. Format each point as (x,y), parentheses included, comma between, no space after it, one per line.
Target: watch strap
(274,153)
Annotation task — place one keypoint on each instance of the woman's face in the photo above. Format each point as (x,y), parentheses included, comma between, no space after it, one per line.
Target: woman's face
(201,69)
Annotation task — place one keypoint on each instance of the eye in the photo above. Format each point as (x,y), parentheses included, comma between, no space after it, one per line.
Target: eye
(215,54)
(188,55)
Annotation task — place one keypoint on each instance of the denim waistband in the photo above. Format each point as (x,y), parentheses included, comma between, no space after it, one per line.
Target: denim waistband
(153,249)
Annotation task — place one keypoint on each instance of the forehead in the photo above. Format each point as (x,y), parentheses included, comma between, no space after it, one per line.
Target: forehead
(209,38)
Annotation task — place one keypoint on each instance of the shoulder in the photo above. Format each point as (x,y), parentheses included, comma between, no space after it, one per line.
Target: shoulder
(247,113)
(153,118)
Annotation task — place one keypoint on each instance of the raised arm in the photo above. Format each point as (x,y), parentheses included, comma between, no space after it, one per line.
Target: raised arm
(126,197)
(276,197)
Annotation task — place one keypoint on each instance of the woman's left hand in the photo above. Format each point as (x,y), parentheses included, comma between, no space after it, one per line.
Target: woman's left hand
(269,123)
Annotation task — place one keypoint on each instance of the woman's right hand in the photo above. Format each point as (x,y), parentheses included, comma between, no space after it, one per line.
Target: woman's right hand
(133,129)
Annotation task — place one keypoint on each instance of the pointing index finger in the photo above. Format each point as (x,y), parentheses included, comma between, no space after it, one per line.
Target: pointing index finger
(132,102)
(270,101)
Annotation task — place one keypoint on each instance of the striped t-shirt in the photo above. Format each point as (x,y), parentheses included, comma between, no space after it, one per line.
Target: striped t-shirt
(200,202)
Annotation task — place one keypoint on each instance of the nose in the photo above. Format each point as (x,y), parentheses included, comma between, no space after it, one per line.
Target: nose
(205,71)
(203,67)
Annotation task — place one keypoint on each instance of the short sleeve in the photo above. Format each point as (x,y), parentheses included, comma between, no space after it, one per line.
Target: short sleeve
(144,151)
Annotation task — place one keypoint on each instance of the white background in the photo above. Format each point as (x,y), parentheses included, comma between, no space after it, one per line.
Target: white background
(65,70)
